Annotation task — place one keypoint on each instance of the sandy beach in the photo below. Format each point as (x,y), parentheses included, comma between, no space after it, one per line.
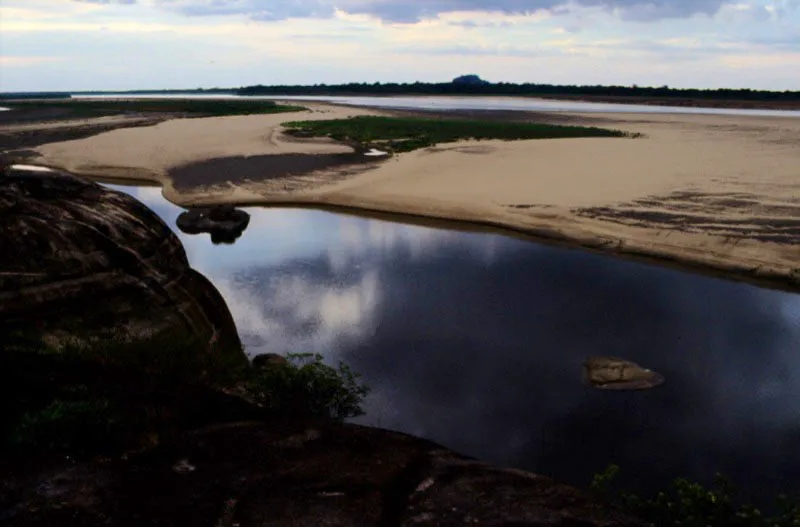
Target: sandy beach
(706,191)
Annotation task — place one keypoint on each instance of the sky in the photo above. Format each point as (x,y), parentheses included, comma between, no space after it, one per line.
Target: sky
(65,45)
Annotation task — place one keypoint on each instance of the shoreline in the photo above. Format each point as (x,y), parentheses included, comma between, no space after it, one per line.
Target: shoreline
(711,268)
(741,220)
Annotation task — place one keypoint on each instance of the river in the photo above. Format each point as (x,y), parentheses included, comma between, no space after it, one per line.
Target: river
(479,103)
(476,340)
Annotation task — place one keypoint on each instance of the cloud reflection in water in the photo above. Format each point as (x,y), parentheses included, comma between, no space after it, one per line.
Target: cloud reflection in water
(476,341)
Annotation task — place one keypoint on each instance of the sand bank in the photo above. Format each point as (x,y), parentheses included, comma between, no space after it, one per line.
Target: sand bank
(706,190)
(151,153)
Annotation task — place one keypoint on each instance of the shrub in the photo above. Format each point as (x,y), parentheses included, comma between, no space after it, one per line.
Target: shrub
(306,387)
(689,504)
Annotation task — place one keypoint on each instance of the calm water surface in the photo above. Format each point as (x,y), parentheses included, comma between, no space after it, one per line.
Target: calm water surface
(480,103)
(476,341)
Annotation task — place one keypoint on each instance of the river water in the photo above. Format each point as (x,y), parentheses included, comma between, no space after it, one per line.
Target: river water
(479,103)
(476,340)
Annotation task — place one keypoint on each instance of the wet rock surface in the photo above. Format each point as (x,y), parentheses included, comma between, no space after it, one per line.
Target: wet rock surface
(302,473)
(78,257)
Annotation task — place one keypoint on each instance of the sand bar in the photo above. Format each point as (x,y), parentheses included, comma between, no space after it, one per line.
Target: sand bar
(705,190)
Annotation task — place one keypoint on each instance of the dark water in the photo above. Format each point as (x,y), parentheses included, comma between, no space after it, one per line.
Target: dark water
(476,342)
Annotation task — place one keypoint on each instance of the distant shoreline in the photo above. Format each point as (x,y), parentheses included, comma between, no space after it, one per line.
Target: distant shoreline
(663,101)
(732,104)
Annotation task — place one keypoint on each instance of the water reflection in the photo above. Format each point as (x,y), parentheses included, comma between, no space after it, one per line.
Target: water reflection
(477,341)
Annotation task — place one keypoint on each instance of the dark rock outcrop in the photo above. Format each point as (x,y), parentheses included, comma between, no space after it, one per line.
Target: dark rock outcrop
(77,258)
(224,223)
(269,360)
(254,474)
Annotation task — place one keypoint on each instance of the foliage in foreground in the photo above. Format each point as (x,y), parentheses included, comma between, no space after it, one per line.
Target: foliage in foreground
(192,107)
(307,387)
(175,356)
(105,395)
(398,134)
(688,504)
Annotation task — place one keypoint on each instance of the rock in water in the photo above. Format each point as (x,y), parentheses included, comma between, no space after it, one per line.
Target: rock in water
(77,258)
(613,373)
(224,223)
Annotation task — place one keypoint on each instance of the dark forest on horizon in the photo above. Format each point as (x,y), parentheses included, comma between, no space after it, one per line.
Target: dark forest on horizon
(464,85)
(524,89)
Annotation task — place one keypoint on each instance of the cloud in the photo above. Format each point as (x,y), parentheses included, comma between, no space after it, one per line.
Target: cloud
(410,11)
(9,61)
(107,2)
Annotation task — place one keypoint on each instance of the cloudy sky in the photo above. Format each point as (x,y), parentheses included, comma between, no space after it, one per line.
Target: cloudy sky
(136,44)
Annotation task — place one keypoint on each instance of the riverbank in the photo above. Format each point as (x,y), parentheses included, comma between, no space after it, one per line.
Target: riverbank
(712,192)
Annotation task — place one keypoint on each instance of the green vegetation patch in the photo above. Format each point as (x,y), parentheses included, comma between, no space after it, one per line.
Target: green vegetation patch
(396,134)
(690,504)
(307,387)
(190,107)
(102,395)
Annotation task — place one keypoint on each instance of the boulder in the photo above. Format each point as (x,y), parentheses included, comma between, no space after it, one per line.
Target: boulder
(79,259)
(269,360)
(224,223)
(613,373)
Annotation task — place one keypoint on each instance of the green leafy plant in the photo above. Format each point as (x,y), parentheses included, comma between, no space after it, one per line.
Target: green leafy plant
(690,504)
(307,387)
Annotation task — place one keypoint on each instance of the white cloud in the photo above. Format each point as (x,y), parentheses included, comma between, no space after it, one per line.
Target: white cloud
(70,45)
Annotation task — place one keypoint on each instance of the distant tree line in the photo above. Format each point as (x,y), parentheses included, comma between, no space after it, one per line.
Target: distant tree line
(33,95)
(525,89)
(196,91)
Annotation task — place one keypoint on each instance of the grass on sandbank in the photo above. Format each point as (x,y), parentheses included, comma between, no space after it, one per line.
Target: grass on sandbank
(397,134)
(191,107)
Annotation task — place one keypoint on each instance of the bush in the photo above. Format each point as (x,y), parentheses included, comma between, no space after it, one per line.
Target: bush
(689,504)
(306,387)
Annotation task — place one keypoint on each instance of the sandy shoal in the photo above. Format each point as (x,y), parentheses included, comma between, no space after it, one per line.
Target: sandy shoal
(711,191)
(149,153)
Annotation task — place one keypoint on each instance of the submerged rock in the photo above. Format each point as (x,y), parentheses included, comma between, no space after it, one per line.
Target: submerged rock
(613,373)
(79,259)
(224,223)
